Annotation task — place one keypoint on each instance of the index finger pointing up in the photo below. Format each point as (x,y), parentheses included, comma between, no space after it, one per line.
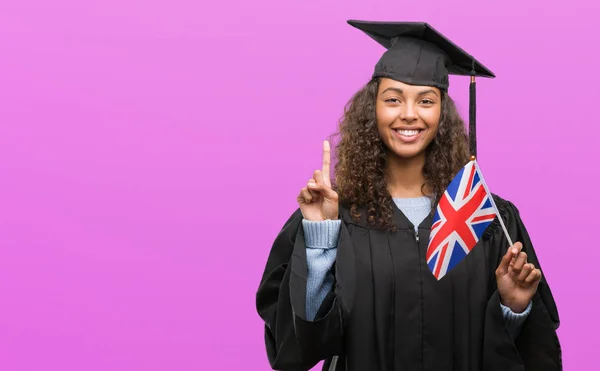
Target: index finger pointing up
(326,162)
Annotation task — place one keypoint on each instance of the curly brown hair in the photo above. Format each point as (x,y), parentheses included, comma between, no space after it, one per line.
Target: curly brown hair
(360,178)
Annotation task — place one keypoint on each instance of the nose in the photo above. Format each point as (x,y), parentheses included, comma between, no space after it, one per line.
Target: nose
(408,112)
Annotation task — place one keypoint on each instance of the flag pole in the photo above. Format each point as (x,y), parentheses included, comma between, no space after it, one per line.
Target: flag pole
(492,200)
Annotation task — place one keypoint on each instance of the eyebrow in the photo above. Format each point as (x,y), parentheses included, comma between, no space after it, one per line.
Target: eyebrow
(400,91)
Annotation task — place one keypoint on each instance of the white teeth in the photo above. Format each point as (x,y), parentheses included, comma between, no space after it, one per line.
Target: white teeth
(408,133)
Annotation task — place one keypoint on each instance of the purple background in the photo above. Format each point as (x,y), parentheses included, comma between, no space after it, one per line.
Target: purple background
(151,150)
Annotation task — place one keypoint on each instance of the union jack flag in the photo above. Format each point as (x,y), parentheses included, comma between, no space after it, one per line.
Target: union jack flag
(464,212)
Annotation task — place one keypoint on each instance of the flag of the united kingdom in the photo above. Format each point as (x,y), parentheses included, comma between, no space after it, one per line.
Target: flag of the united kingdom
(464,212)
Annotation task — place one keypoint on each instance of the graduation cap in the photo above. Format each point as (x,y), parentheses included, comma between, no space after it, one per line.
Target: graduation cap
(417,54)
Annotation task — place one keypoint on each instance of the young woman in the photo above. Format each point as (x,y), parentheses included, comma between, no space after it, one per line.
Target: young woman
(347,279)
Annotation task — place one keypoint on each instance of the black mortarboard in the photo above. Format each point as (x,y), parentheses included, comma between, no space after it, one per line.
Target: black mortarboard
(417,54)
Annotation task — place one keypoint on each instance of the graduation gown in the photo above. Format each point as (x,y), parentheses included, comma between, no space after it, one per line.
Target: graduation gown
(387,312)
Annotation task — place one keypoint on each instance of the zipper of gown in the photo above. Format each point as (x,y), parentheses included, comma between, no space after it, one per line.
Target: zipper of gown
(417,236)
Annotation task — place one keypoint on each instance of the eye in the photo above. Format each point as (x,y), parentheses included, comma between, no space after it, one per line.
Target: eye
(427,101)
(392,100)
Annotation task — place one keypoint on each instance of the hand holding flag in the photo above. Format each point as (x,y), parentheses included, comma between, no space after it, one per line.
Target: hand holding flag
(464,212)
(517,280)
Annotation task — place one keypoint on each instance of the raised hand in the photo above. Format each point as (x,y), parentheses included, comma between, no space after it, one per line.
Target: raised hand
(517,280)
(317,200)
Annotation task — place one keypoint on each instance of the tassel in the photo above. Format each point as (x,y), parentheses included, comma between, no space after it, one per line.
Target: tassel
(472,114)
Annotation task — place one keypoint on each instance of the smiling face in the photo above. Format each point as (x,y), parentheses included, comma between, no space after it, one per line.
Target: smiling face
(407,117)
